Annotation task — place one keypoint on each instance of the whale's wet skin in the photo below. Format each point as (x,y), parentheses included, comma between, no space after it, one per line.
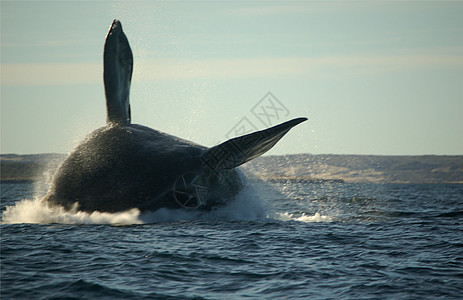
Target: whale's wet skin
(118,168)
(123,166)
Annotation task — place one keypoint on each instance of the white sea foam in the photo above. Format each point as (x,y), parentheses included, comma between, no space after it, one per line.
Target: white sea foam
(38,211)
(246,206)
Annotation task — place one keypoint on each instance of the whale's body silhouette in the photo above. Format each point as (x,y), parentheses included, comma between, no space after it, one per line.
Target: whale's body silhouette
(123,165)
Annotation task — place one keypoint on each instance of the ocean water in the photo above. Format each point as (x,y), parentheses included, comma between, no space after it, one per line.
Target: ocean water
(278,241)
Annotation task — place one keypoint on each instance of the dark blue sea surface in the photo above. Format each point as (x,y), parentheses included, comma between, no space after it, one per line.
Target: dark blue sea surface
(278,241)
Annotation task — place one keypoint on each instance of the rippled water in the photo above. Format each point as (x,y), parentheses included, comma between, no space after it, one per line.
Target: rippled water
(278,241)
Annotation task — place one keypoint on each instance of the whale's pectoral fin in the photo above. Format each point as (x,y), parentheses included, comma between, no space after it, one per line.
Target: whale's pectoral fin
(237,151)
(118,65)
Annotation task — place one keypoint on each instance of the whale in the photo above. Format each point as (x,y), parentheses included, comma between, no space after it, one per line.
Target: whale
(123,166)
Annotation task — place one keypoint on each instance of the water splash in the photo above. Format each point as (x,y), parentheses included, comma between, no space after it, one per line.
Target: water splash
(246,206)
(39,212)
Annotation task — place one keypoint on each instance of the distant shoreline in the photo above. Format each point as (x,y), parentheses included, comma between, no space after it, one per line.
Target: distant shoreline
(294,168)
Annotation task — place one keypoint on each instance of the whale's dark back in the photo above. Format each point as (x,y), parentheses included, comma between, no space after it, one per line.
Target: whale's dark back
(122,167)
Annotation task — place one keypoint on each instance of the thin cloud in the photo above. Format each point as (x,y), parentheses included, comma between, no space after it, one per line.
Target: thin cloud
(154,70)
(274,67)
(51,74)
(49,43)
(328,6)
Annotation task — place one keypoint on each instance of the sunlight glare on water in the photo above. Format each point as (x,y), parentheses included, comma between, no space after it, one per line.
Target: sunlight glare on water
(302,218)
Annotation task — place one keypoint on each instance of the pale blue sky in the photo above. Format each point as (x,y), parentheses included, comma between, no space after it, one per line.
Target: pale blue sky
(372,77)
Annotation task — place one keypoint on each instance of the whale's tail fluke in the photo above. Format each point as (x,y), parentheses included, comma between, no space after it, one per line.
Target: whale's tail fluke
(237,151)
(118,65)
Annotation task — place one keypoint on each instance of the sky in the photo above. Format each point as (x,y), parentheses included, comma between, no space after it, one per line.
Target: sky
(373,77)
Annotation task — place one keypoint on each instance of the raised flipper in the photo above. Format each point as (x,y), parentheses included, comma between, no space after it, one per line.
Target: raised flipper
(237,151)
(118,65)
